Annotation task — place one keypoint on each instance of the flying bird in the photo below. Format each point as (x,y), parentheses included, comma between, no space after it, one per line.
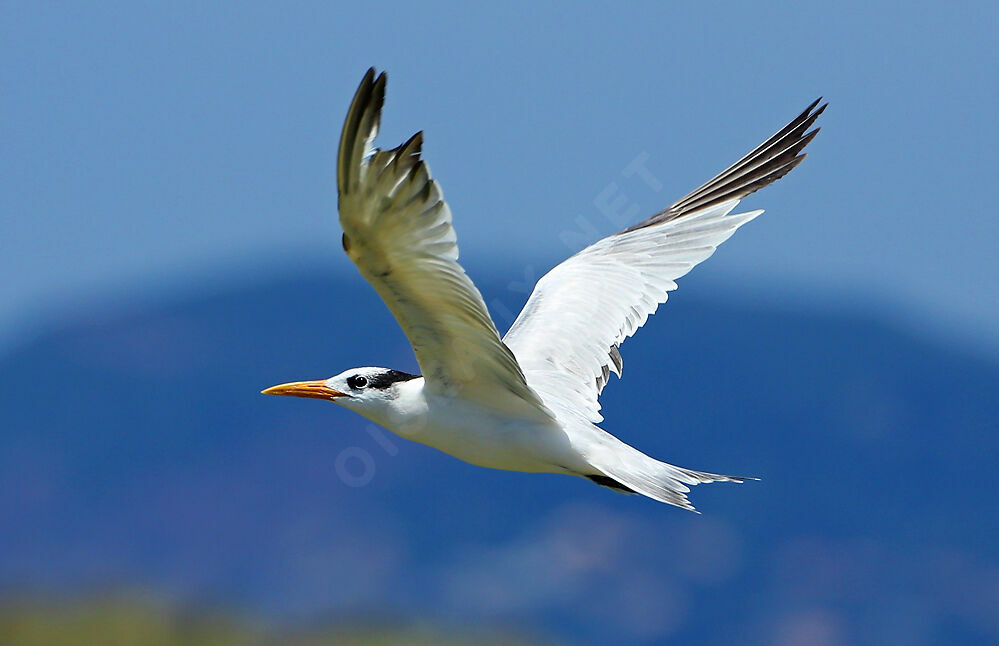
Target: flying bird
(527,401)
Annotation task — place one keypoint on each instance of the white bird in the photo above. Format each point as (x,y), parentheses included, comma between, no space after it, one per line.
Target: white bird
(527,401)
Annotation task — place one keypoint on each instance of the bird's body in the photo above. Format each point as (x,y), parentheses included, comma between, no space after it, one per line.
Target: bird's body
(487,438)
(529,401)
(471,432)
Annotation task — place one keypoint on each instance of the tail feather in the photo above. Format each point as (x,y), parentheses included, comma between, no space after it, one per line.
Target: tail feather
(668,483)
(631,469)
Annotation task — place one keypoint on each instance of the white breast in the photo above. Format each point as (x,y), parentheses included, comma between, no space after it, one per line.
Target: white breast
(479,436)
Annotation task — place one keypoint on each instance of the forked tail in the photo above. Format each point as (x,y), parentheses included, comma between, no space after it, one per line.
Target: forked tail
(626,469)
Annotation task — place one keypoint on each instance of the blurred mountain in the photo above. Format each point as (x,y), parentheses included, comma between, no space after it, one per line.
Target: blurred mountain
(136,452)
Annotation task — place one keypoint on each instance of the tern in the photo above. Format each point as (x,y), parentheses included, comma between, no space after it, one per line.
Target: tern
(527,401)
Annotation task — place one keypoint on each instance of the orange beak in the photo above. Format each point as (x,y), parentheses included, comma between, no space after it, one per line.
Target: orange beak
(316,389)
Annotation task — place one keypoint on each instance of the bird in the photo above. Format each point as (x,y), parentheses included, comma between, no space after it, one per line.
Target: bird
(526,401)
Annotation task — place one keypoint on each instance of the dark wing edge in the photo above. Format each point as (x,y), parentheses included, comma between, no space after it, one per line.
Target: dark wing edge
(359,128)
(764,165)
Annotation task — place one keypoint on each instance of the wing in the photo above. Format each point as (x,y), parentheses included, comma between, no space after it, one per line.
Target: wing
(567,336)
(397,230)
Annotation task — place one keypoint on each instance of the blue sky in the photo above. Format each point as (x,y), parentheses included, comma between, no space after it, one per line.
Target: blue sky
(150,148)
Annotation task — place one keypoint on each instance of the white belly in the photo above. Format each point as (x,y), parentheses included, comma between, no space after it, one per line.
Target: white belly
(487,439)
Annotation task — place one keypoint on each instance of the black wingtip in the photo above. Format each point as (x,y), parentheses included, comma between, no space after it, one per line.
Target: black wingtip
(764,165)
(817,111)
(416,141)
(363,118)
(378,95)
(412,148)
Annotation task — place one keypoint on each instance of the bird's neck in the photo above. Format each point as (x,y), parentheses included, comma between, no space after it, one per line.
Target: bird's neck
(404,414)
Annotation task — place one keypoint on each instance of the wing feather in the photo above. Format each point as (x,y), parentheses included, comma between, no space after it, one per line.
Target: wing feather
(397,230)
(567,337)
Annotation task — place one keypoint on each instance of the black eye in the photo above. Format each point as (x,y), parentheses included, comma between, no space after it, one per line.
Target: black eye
(357,382)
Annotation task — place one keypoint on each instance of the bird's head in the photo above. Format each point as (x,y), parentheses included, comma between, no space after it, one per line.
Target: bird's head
(372,392)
